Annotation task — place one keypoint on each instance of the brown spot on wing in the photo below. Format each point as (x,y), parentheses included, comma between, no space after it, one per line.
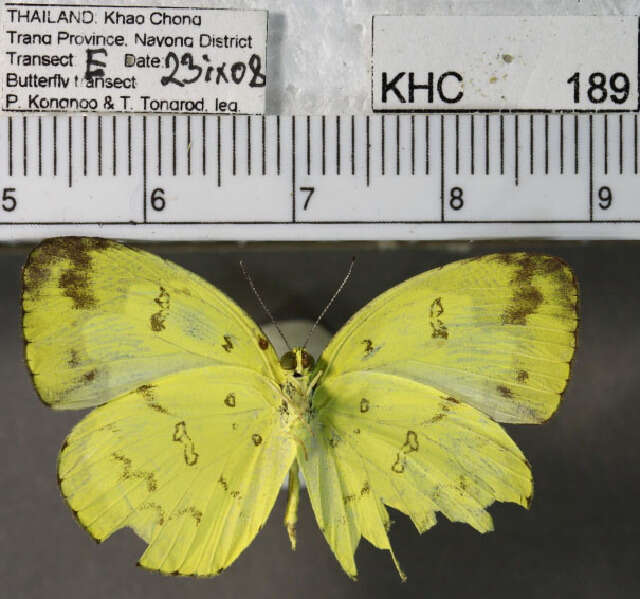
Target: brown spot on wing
(146,391)
(398,465)
(192,511)
(87,377)
(230,400)
(525,301)
(522,376)
(525,298)
(157,319)
(180,435)
(411,442)
(128,472)
(364,405)
(263,343)
(223,482)
(438,328)
(74,284)
(73,359)
(283,410)
(436,418)
(157,508)
(74,280)
(256,438)
(505,391)
(228,344)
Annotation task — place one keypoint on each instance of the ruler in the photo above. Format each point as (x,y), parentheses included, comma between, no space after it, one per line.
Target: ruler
(327,177)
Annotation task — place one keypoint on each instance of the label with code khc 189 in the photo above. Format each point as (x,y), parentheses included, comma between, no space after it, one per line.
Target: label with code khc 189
(422,64)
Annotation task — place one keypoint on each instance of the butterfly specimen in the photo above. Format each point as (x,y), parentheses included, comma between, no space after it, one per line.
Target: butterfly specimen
(199,421)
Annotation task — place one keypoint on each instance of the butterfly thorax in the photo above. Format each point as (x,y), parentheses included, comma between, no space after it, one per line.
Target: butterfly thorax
(296,386)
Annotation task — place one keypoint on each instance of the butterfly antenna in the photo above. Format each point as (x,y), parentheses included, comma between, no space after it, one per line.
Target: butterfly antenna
(264,306)
(335,295)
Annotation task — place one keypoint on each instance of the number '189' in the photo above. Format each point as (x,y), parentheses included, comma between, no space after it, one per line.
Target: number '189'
(600,88)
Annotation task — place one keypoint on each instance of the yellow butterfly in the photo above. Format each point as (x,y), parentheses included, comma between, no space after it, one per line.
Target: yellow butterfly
(200,421)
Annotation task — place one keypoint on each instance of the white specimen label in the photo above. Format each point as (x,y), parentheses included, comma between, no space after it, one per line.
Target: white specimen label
(424,63)
(132,59)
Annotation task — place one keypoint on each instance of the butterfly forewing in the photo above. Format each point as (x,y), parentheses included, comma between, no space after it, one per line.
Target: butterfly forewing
(497,332)
(101,319)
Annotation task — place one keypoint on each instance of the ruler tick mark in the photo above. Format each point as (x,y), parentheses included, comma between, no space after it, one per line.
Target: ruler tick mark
(501,144)
(487,125)
(606,145)
(382,143)
(308,145)
(337,144)
(159,146)
(144,168)
(70,147)
(188,144)
(562,144)
(55,145)
(129,145)
(293,167)
(621,144)
(218,152)
(113,145)
(590,168)
(472,124)
(10,144)
(531,144)
(278,145)
(204,145)
(353,145)
(324,140)
(24,146)
(84,144)
(635,144)
(457,118)
(427,148)
(233,145)
(368,144)
(576,145)
(99,146)
(249,145)
(174,152)
(442,138)
(413,144)
(397,144)
(40,147)
(264,146)
(546,144)
(517,151)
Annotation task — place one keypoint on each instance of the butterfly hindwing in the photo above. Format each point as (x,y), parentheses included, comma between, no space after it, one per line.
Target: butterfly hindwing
(101,319)
(193,463)
(384,440)
(497,332)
